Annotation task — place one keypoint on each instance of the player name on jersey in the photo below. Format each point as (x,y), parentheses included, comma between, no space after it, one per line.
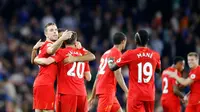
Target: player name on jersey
(74,52)
(140,55)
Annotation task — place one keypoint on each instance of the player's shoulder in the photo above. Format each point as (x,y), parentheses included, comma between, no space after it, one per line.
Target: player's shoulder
(196,70)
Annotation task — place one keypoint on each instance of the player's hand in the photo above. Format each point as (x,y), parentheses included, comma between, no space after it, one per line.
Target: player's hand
(70,59)
(185,100)
(38,45)
(78,45)
(90,103)
(66,35)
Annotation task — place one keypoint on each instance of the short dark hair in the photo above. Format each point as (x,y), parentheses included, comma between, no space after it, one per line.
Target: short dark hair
(48,24)
(193,54)
(142,37)
(118,38)
(72,40)
(178,59)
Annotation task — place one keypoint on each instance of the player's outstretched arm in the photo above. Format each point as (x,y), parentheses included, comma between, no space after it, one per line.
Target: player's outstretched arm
(120,80)
(34,50)
(56,45)
(87,57)
(88,76)
(112,65)
(182,81)
(44,61)
(177,92)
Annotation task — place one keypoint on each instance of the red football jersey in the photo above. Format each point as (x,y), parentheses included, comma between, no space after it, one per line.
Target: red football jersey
(194,97)
(142,63)
(71,76)
(47,74)
(167,86)
(106,82)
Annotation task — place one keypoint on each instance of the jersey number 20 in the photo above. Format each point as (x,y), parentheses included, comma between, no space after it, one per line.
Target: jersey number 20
(76,69)
(145,69)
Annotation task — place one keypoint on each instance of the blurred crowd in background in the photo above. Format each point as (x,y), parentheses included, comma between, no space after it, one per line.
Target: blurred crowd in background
(173,25)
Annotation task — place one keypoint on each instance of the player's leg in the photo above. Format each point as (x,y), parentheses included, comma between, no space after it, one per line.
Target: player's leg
(41,100)
(104,103)
(116,106)
(135,106)
(149,106)
(82,104)
(68,103)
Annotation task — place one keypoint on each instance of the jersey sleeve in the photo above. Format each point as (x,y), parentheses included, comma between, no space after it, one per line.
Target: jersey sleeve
(87,67)
(125,59)
(60,55)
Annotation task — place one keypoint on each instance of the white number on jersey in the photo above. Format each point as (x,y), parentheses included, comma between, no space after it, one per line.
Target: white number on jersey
(143,70)
(165,89)
(76,69)
(102,66)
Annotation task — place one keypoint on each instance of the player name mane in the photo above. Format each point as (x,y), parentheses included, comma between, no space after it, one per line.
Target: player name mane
(77,53)
(149,55)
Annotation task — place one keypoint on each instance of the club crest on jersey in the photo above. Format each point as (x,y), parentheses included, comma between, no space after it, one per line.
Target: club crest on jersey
(118,60)
(192,76)
(140,55)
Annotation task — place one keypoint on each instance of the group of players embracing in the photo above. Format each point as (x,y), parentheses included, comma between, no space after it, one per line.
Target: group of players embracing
(63,58)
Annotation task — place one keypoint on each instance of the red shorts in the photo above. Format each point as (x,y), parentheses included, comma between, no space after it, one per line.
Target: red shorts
(140,106)
(43,97)
(171,106)
(71,103)
(108,103)
(193,108)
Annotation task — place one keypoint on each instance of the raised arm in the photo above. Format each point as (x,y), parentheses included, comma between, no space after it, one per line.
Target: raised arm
(34,50)
(56,45)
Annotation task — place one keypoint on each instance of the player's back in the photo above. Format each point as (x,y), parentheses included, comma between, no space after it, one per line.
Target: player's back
(47,73)
(106,82)
(167,86)
(142,63)
(71,76)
